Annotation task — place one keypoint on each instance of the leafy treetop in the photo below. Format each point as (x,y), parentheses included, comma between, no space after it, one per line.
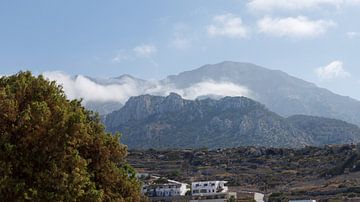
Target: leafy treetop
(52,149)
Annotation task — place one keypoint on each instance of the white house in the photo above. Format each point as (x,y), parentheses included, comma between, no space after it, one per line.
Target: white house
(208,188)
(167,189)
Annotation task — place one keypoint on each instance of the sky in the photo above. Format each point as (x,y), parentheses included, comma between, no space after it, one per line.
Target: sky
(316,40)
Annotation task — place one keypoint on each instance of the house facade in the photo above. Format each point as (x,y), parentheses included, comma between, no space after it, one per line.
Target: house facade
(169,189)
(208,188)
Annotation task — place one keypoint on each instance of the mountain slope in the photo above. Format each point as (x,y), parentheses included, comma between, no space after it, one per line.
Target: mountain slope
(279,91)
(171,122)
(326,131)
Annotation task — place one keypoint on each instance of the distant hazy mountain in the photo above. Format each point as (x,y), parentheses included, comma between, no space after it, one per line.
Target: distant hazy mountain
(103,108)
(172,122)
(123,79)
(278,91)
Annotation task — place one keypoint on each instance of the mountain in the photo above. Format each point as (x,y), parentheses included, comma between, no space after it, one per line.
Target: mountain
(173,122)
(325,130)
(280,92)
(103,108)
(120,80)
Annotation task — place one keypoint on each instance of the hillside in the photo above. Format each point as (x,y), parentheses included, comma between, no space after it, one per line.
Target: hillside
(318,173)
(325,131)
(173,122)
(277,90)
(280,92)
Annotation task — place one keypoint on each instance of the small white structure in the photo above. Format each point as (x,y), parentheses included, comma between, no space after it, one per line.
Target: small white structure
(208,188)
(258,197)
(168,189)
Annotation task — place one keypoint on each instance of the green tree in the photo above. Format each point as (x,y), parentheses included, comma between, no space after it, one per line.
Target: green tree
(52,149)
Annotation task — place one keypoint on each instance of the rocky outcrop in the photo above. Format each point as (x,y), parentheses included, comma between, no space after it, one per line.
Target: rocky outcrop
(172,122)
(325,131)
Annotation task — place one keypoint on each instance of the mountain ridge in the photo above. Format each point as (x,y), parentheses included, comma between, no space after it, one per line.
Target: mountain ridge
(279,91)
(148,121)
(282,93)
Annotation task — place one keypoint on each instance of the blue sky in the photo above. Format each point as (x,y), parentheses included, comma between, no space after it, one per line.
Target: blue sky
(316,40)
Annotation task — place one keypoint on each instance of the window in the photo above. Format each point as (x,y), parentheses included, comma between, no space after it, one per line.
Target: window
(205,185)
(195,191)
(213,184)
(203,191)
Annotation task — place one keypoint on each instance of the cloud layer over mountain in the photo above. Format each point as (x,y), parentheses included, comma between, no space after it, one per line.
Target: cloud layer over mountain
(120,89)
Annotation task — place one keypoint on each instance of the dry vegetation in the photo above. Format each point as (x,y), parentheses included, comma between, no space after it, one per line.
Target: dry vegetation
(322,173)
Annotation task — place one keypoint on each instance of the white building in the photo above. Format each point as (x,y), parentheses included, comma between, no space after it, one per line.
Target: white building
(168,189)
(208,188)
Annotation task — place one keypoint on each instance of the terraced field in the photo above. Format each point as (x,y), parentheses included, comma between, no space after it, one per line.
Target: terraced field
(331,172)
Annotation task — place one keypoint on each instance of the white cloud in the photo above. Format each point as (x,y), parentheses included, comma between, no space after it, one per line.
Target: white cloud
(145,50)
(180,43)
(182,37)
(333,70)
(209,87)
(269,5)
(203,88)
(292,5)
(298,27)
(227,25)
(112,90)
(121,56)
(82,87)
(353,35)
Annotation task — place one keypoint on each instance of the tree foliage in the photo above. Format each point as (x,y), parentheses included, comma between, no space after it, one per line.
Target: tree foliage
(52,149)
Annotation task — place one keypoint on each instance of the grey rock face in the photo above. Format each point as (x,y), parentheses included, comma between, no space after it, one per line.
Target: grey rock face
(280,92)
(172,122)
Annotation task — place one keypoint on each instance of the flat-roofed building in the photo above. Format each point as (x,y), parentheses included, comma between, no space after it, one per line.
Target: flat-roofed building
(166,189)
(211,191)
(208,188)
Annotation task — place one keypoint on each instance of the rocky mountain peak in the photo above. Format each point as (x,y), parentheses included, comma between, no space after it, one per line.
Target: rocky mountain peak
(238,103)
(277,90)
(173,102)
